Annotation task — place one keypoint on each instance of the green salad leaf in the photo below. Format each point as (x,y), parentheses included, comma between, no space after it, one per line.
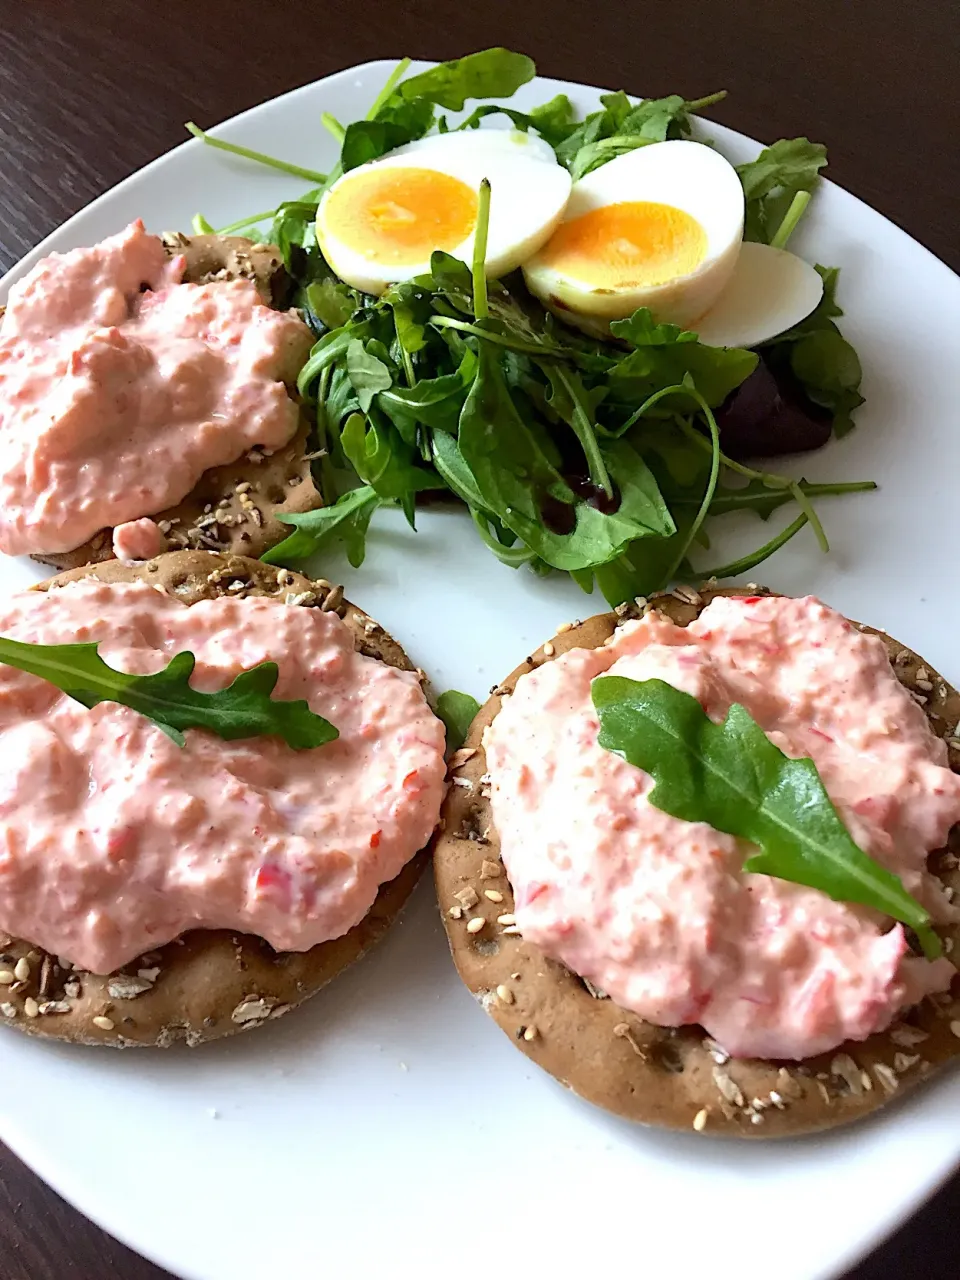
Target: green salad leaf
(367,140)
(457,711)
(830,371)
(243,710)
(664,355)
(492,73)
(406,111)
(367,374)
(622,126)
(821,358)
(292,226)
(328,303)
(384,462)
(732,777)
(772,182)
(346,520)
(554,120)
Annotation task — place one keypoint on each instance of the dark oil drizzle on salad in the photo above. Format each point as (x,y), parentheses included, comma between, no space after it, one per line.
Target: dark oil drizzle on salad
(594,495)
(561,517)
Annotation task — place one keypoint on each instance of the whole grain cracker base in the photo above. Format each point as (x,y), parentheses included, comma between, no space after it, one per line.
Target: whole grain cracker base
(233,508)
(208,983)
(675,1078)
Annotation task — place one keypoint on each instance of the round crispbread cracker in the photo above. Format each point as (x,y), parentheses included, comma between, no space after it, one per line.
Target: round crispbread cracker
(676,1078)
(208,983)
(232,509)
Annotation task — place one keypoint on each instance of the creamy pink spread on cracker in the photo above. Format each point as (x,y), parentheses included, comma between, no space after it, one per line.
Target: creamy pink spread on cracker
(114,840)
(120,386)
(138,540)
(656,911)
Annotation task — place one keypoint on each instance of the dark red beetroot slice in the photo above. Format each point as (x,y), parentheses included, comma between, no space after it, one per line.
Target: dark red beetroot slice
(769,414)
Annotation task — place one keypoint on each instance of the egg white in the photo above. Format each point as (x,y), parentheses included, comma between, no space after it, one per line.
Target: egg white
(685,175)
(483,141)
(769,292)
(528,193)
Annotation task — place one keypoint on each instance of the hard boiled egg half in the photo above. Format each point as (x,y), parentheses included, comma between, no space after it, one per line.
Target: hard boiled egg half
(662,227)
(380,222)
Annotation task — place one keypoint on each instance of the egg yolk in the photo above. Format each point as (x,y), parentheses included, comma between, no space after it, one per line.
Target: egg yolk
(632,244)
(400,216)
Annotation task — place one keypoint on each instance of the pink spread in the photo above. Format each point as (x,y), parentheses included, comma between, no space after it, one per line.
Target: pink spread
(138,540)
(113,840)
(656,911)
(120,386)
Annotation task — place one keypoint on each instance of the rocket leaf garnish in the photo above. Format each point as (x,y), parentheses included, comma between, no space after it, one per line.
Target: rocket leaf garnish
(243,710)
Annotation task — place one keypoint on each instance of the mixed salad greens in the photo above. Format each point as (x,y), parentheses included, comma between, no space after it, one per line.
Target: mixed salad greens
(599,459)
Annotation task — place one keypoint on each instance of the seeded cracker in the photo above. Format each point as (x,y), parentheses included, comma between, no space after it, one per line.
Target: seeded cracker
(679,1079)
(232,508)
(209,983)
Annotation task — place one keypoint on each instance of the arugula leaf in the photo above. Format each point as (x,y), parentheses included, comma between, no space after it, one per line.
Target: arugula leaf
(346,520)
(449,277)
(434,402)
(243,710)
(574,405)
(771,182)
(339,399)
(734,778)
(764,498)
(379,459)
(292,227)
(393,121)
(662,118)
(825,363)
(367,140)
(366,449)
(411,307)
(640,498)
(664,355)
(518,483)
(645,566)
(622,126)
(641,330)
(455,473)
(368,374)
(509,468)
(492,73)
(413,117)
(330,302)
(405,111)
(554,120)
(457,711)
(830,371)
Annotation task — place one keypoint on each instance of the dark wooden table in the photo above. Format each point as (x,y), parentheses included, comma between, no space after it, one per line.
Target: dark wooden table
(90,92)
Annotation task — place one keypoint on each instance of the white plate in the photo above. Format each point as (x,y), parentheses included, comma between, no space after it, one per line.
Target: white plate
(389,1125)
